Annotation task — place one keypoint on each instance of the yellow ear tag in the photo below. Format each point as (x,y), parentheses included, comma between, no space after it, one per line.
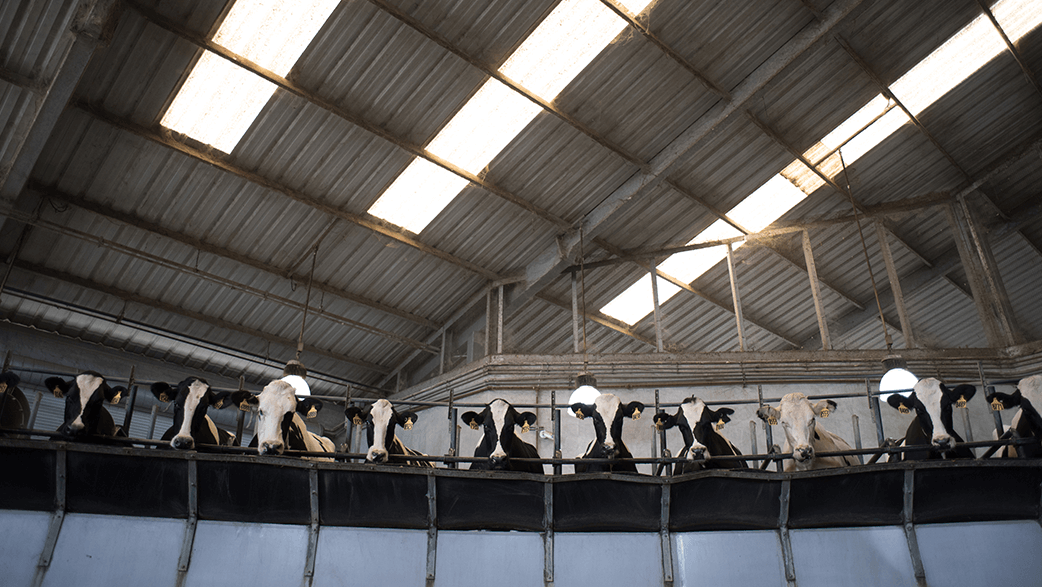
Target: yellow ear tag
(996,405)
(219,404)
(408,424)
(473,424)
(636,414)
(244,406)
(825,413)
(772,420)
(3,388)
(525,428)
(961,403)
(163,397)
(579,414)
(903,409)
(57,391)
(312,412)
(357,420)
(658,425)
(720,424)
(115,400)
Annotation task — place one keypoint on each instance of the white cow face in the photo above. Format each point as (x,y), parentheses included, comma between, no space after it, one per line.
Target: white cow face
(85,397)
(797,416)
(933,402)
(607,412)
(692,419)
(498,421)
(380,420)
(277,409)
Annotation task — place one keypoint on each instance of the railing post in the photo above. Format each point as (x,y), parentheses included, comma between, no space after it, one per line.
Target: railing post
(192,523)
(309,563)
(999,427)
(55,526)
(548,531)
(873,403)
(452,415)
(432,528)
(908,516)
(240,418)
(35,410)
(783,533)
(131,401)
(555,417)
(856,424)
(152,422)
(666,542)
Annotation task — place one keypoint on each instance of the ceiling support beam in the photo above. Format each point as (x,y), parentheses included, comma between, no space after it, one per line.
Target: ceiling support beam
(548,265)
(895,286)
(132,298)
(815,289)
(1028,73)
(51,192)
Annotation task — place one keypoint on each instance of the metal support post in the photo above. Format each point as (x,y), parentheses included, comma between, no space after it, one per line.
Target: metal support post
(240,418)
(815,290)
(309,563)
(152,422)
(575,313)
(35,410)
(190,526)
(432,528)
(999,427)
(452,416)
(856,424)
(655,309)
(555,417)
(129,412)
(667,547)
(873,403)
(783,534)
(752,443)
(908,517)
(499,323)
(735,297)
(57,518)
(548,532)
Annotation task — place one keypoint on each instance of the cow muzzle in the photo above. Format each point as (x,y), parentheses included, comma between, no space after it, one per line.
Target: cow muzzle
(377,456)
(803,453)
(183,442)
(944,443)
(697,453)
(72,429)
(271,448)
(497,462)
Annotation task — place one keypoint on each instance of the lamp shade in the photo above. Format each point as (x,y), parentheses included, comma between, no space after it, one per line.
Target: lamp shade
(294,374)
(585,393)
(897,377)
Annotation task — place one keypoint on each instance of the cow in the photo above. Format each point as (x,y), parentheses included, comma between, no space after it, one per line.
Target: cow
(380,419)
(1027,423)
(804,439)
(932,402)
(698,425)
(85,414)
(279,425)
(607,413)
(14,406)
(192,426)
(499,444)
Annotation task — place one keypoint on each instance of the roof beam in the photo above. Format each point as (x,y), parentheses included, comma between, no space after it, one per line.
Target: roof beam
(112,214)
(548,265)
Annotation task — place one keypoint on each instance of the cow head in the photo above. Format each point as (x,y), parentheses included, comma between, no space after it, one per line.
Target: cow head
(693,419)
(607,413)
(798,418)
(277,406)
(1028,397)
(380,419)
(85,397)
(191,399)
(8,380)
(932,402)
(498,420)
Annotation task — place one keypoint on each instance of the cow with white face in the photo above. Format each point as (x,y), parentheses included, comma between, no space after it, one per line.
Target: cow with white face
(13,404)
(607,413)
(279,423)
(1027,422)
(499,443)
(804,439)
(192,426)
(85,413)
(699,426)
(932,403)
(380,419)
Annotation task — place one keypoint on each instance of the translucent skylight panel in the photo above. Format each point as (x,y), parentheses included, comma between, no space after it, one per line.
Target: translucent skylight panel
(418,195)
(486,123)
(859,120)
(1018,17)
(636,302)
(220,100)
(766,204)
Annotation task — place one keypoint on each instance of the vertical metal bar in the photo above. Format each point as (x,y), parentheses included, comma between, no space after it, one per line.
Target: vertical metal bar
(499,324)
(190,526)
(35,410)
(982,298)
(767,432)
(441,353)
(129,412)
(452,416)
(575,312)
(655,309)
(488,322)
(783,533)
(240,418)
(555,417)
(966,424)
(735,297)
(999,427)
(47,554)
(908,516)
(856,424)
(432,528)
(4,396)
(753,448)
(873,403)
(309,563)
(548,531)
(666,542)
(815,290)
(895,285)
(656,470)
(152,423)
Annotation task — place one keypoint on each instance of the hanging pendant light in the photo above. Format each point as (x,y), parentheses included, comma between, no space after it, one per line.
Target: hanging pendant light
(585,383)
(897,379)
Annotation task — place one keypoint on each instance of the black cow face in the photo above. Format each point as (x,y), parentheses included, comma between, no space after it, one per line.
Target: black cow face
(85,397)
(498,420)
(191,399)
(1028,397)
(693,419)
(607,413)
(380,419)
(933,402)
(276,406)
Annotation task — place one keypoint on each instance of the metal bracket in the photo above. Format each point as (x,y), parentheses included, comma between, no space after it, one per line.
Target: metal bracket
(309,563)
(667,547)
(432,528)
(783,534)
(56,520)
(193,521)
(908,516)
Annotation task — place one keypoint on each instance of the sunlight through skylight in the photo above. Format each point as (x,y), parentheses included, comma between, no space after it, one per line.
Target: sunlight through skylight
(220,100)
(418,195)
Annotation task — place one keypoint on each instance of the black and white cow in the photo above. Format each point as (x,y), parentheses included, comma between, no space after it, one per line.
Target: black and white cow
(932,402)
(380,419)
(85,413)
(192,426)
(607,413)
(698,425)
(499,443)
(279,425)
(13,403)
(1027,422)
(804,439)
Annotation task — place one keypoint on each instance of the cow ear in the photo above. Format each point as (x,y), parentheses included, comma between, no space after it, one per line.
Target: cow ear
(407,419)
(309,407)
(58,386)
(961,394)
(769,414)
(355,414)
(1003,401)
(526,419)
(901,403)
(8,379)
(220,399)
(113,394)
(244,399)
(724,414)
(664,421)
(633,410)
(471,419)
(162,391)
(582,410)
(824,408)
